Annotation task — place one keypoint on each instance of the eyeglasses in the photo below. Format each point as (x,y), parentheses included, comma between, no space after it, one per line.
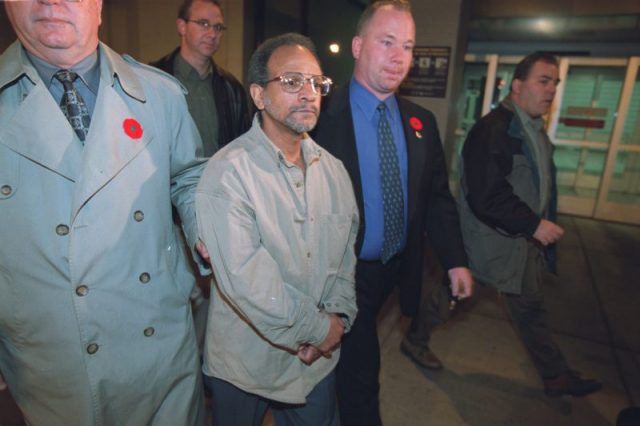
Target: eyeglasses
(203,24)
(292,82)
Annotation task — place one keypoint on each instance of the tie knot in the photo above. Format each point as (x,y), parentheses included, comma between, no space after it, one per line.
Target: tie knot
(381,107)
(65,76)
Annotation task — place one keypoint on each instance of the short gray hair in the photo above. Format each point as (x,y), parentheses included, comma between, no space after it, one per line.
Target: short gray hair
(258,72)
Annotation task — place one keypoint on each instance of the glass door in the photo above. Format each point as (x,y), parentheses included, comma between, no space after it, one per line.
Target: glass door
(619,196)
(589,120)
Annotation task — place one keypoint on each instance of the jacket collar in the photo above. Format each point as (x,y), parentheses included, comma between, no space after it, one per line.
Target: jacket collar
(115,67)
(12,70)
(516,129)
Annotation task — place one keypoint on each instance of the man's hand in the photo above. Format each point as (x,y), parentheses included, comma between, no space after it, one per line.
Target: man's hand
(332,341)
(547,232)
(308,354)
(461,282)
(202,250)
(3,385)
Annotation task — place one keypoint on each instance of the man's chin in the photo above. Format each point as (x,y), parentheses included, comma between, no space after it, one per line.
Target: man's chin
(301,127)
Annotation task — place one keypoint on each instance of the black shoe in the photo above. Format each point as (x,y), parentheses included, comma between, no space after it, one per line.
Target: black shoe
(421,356)
(570,383)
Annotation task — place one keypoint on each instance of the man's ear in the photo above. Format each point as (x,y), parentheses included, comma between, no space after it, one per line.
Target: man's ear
(356,45)
(181,26)
(257,94)
(516,84)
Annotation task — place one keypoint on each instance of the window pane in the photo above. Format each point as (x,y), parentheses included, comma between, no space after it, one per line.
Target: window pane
(590,103)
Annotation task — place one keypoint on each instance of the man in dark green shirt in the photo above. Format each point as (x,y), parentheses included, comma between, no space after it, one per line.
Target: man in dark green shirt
(217,100)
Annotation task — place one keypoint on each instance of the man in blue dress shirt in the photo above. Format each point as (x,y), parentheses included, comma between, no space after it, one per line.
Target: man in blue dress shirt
(392,151)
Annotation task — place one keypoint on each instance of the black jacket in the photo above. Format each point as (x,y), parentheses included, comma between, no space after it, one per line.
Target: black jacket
(230,97)
(488,156)
(499,202)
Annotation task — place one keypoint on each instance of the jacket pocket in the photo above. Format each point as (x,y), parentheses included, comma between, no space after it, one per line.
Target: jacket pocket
(333,232)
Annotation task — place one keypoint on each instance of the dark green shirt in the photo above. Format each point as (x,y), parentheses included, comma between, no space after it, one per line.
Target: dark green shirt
(201,104)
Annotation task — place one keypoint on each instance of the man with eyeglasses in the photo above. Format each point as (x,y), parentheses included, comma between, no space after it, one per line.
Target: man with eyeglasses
(279,218)
(217,100)
(392,151)
(95,320)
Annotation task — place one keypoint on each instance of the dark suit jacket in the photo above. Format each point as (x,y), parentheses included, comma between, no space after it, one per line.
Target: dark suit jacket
(431,206)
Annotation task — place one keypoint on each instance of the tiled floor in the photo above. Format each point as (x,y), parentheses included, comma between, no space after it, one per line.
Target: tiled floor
(594,306)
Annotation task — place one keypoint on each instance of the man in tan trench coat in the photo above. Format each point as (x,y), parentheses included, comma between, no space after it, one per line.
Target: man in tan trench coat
(95,322)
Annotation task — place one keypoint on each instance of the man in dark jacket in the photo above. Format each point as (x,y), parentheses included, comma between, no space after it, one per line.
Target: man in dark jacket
(217,101)
(391,148)
(507,188)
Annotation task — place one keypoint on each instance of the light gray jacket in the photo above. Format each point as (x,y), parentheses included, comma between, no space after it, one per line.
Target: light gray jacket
(95,322)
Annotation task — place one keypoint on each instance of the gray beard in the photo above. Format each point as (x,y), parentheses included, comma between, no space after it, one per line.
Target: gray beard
(299,127)
(291,123)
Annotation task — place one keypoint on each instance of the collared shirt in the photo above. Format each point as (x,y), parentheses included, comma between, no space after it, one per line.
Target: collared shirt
(201,102)
(281,243)
(365,123)
(87,84)
(542,150)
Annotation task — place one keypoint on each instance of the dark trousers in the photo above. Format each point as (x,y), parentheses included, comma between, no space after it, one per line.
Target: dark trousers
(357,372)
(232,406)
(530,317)
(434,302)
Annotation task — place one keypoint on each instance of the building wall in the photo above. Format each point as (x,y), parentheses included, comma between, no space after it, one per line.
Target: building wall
(444,23)
(146,30)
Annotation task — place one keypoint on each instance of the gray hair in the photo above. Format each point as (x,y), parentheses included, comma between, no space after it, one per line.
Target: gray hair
(258,72)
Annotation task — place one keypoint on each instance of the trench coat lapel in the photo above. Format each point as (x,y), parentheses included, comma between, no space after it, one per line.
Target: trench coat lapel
(40,132)
(108,147)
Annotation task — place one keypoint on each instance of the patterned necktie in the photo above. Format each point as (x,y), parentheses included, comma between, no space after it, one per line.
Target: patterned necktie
(392,197)
(73,105)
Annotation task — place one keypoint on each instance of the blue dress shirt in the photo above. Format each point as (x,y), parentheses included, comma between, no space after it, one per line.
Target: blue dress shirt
(365,124)
(87,84)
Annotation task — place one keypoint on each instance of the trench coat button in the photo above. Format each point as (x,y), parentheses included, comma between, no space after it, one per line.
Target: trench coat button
(138,216)
(308,254)
(82,290)
(62,230)
(92,348)
(6,190)
(145,277)
(149,331)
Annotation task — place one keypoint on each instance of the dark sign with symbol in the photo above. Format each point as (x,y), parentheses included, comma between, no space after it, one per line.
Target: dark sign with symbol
(428,74)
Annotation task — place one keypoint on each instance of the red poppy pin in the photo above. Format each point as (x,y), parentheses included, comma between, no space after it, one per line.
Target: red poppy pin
(132,128)
(416,125)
